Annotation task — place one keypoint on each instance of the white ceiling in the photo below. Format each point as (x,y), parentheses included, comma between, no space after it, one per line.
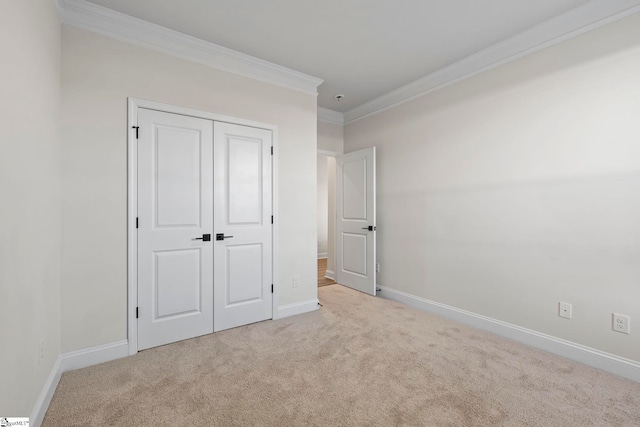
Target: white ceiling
(361,48)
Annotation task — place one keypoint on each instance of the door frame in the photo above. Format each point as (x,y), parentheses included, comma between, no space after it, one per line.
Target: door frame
(133,104)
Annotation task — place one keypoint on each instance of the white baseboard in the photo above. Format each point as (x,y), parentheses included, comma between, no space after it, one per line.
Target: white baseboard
(44,399)
(94,355)
(330,274)
(589,356)
(68,362)
(323,255)
(296,308)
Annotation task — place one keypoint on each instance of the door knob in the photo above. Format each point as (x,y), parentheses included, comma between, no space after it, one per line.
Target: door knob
(204,238)
(221,236)
(370,228)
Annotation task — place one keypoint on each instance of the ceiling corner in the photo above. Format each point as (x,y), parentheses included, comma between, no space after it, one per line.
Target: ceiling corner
(101,20)
(333,117)
(582,19)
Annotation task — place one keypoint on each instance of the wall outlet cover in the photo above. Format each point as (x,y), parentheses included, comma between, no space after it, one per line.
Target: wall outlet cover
(621,323)
(564,310)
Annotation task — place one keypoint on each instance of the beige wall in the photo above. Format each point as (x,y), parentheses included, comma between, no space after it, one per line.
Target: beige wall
(98,74)
(330,138)
(519,188)
(30,187)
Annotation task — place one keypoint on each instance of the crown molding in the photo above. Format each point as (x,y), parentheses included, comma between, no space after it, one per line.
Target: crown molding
(101,20)
(333,117)
(577,21)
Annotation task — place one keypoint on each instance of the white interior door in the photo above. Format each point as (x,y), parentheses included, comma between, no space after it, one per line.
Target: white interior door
(175,214)
(242,225)
(356,222)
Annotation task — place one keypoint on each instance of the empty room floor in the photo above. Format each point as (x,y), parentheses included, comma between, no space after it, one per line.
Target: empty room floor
(357,361)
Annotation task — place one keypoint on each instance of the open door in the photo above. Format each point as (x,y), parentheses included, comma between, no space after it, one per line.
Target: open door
(356,220)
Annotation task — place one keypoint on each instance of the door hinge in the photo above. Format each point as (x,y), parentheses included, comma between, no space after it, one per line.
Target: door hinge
(272,150)
(271,219)
(272,288)
(136,222)
(136,312)
(137,128)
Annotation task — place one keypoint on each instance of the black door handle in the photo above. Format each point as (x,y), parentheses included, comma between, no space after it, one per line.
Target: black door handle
(221,236)
(204,238)
(370,228)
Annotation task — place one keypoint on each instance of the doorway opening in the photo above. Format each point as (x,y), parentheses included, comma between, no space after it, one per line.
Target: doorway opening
(326,218)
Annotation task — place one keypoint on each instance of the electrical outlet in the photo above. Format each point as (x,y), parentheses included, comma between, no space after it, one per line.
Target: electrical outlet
(41,355)
(377,267)
(621,323)
(564,310)
(296,281)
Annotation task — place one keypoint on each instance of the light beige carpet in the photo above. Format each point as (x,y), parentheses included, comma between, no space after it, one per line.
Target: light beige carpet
(358,361)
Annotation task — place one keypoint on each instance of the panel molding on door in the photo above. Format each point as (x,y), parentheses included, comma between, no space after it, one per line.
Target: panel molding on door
(175,209)
(356,220)
(242,211)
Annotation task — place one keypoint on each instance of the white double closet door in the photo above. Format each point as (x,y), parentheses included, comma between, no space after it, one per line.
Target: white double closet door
(204,226)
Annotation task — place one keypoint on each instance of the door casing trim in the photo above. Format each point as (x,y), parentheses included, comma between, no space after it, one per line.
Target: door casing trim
(133,105)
